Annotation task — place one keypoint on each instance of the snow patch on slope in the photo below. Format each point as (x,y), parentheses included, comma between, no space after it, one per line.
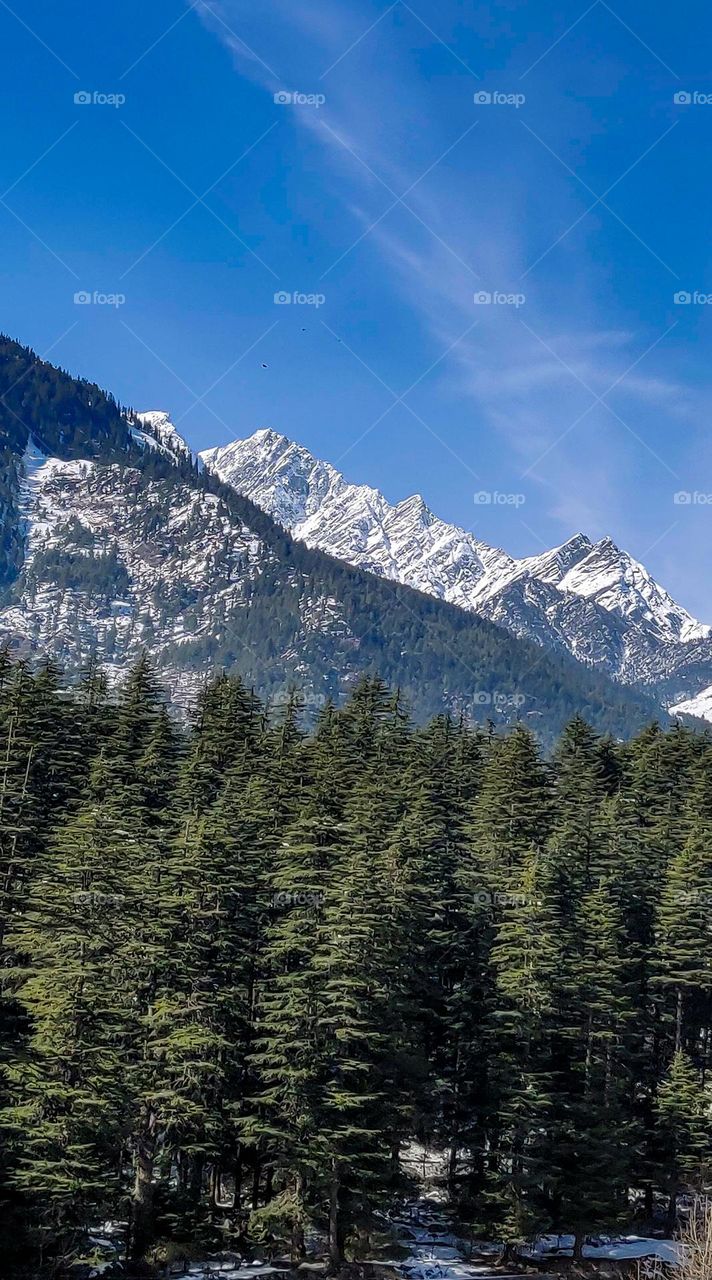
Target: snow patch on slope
(700,706)
(181,560)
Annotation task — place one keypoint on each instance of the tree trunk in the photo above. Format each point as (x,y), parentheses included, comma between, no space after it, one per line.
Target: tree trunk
(298,1249)
(142,1200)
(334,1240)
(256,1174)
(671,1218)
(196,1180)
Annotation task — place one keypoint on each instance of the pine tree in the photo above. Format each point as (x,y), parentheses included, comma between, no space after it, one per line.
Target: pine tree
(371,1063)
(684,928)
(579,792)
(448,959)
(596,1137)
(216,873)
(511,814)
(685,1149)
(70,1114)
(292,1049)
(522,1088)
(226,732)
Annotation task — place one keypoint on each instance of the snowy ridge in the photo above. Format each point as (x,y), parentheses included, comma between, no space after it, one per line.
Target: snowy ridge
(590,598)
(405,541)
(158,431)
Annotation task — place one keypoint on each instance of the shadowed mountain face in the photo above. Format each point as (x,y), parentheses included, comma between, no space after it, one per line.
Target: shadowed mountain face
(591,600)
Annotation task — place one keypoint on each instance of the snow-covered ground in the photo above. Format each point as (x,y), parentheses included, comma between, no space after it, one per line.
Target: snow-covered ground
(438,1254)
(434,1261)
(609,1247)
(700,705)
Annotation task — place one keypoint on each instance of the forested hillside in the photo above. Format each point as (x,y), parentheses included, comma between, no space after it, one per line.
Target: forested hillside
(111,543)
(244,966)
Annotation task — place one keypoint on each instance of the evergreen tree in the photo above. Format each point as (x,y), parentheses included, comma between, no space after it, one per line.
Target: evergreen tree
(683,1114)
(684,928)
(522,1088)
(69,1120)
(245,966)
(511,814)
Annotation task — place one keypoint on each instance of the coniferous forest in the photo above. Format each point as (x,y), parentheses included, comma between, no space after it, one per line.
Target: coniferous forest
(246,965)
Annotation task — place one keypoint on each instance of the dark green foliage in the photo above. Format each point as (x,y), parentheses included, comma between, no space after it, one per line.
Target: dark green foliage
(244,966)
(100,576)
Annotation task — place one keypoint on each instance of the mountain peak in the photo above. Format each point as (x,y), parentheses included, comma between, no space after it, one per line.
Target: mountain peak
(158,426)
(607,545)
(415,506)
(267,436)
(577,540)
(589,597)
(405,541)
(623,585)
(275,472)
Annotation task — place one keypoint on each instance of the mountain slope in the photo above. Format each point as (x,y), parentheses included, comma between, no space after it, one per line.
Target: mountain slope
(591,600)
(113,540)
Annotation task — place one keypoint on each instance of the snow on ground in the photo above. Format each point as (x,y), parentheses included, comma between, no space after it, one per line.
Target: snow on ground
(202,1270)
(439,1254)
(616,1248)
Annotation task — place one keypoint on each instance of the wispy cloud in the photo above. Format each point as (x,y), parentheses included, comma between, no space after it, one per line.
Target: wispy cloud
(530,373)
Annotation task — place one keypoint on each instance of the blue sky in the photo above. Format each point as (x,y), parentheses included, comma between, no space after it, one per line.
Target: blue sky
(388,190)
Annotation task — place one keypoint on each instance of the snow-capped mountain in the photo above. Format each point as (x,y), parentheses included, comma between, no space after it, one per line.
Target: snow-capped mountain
(115,541)
(589,598)
(405,542)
